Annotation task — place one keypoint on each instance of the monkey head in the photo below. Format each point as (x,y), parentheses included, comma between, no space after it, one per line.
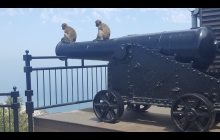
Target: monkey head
(64,25)
(98,22)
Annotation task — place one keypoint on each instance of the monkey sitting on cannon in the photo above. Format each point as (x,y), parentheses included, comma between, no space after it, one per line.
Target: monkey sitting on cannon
(69,34)
(103,31)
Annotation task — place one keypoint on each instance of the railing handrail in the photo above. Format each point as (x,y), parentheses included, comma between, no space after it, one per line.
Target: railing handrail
(6,105)
(47,57)
(5,94)
(68,67)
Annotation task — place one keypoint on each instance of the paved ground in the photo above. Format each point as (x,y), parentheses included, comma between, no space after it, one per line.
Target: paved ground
(156,119)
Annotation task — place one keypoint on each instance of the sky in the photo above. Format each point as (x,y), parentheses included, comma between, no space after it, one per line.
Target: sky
(39,31)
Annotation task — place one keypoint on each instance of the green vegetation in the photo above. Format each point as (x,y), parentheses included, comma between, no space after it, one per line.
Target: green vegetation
(7,117)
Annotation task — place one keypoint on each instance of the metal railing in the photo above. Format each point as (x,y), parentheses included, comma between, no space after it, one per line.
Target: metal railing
(7,118)
(61,86)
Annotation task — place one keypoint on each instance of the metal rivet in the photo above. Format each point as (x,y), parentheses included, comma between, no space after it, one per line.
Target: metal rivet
(194,70)
(177,83)
(176,76)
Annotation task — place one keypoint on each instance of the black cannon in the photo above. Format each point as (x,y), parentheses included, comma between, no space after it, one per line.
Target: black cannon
(166,69)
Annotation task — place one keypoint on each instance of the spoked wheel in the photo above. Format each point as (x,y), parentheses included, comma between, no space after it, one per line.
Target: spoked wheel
(138,108)
(193,113)
(217,118)
(108,106)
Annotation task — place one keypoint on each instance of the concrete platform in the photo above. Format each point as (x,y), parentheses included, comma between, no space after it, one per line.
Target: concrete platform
(156,119)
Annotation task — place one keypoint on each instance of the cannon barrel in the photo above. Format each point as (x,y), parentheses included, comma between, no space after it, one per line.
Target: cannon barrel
(196,45)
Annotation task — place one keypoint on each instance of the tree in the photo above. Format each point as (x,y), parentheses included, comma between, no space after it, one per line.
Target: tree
(7,117)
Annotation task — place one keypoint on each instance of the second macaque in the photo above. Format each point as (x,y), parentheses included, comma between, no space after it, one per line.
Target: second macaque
(103,31)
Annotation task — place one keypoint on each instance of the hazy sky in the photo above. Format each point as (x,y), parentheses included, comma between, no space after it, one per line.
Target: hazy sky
(39,30)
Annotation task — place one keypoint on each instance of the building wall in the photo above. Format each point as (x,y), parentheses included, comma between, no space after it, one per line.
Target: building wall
(211,17)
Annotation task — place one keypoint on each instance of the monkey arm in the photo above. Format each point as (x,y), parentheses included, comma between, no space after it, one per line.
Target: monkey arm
(66,32)
(66,36)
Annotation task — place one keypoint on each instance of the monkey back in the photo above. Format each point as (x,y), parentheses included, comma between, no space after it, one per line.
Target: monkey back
(195,45)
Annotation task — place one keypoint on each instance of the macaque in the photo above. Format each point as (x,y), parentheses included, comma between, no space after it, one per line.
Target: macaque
(69,34)
(103,30)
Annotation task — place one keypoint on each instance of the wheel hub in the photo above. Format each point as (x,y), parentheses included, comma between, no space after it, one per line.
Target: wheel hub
(190,114)
(105,106)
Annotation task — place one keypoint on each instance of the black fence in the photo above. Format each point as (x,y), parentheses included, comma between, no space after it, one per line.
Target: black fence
(61,86)
(8,118)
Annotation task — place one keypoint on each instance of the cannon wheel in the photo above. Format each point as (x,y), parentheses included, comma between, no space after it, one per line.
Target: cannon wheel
(139,108)
(217,118)
(108,105)
(193,113)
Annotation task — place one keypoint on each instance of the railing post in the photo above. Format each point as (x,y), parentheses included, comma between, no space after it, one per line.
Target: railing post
(66,63)
(82,62)
(15,105)
(28,92)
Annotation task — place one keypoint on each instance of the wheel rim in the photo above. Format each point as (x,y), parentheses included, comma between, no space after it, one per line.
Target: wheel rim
(108,106)
(193,113)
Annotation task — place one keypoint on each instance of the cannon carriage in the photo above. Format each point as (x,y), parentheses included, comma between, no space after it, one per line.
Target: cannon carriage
(166,69)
